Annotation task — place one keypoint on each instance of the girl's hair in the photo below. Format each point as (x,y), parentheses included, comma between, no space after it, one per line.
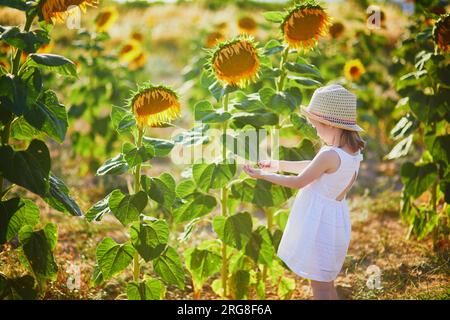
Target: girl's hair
(352,139)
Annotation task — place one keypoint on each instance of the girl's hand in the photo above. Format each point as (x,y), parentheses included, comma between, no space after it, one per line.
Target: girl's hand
(268,165)
(253,173)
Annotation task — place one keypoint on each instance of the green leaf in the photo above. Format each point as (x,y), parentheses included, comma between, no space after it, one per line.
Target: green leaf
(213,175)
(37,247)
(300,124)
(149,238)
(161,147)
(418,178)
(239,285)
(272,47)
(127,208)
(286,288)
(274,16)
(256,119)
(161,189)
(304,151)
(168,266)
(122,119)
(150,289)
(302,68)
(29,169)
(250,102)
(234,230)
(113,258)
(193,137)
(98,210)
(136,156)
(21,288)
(193,206)
(281,102)
(260,247)
(259,192)
(305,82)
(59,198)
(114,166)
(14,214)
(49,116)
(202,264)
(52,62)
(26,41)
(218,91)
(22,130)
(205,112)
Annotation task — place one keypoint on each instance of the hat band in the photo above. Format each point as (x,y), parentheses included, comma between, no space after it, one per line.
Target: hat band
(335,119)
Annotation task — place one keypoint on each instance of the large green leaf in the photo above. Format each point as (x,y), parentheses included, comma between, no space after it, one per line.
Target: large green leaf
(49,116)
(150,289)
(127,208)
(213,175)
(234,230)
(260,247)
(273,46)
(259,192)
(122,120)
(59,198)
(14,94)
(168,266)
(205,112)
(161,147)
(29,169)
(193,206)
(193,137)
(114,166)
(302,68)
(305,129)
(304,151)
(149,238)
(418,178)
(274,16)
(202,264)
(21,288)
(113,258)
(161,189)
(135,156)
(239,284)
(284,102)
(26,41)
(52,62)
(256,119)
(98,210)
(305,82)
(37,247)
(14,214)
(247,102)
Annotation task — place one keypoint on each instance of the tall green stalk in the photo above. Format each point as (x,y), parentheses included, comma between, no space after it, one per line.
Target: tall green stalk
(137,188)
(280,83)
(224,199)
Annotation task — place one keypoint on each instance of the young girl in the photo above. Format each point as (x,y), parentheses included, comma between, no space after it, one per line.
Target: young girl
(317,234)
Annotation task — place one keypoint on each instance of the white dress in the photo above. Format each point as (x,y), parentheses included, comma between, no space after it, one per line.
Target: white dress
(317,234)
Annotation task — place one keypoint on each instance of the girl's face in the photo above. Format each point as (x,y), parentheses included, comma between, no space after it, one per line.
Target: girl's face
(325,132)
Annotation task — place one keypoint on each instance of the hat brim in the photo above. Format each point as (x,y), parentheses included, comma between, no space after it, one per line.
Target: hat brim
(354,127)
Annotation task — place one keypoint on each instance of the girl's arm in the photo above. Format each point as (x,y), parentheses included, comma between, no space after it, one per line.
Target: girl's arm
(323,162)
(284,165)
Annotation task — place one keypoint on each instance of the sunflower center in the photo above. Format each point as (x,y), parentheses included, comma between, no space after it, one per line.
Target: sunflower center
(103,19)
(354,71)
(153,102)
(235,60)
(304,26)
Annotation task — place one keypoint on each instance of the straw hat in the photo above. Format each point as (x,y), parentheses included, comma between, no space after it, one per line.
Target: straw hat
(333,105)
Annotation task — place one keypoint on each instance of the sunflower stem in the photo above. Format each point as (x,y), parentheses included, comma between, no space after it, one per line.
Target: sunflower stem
(224,199)
(137,188)
(284,57)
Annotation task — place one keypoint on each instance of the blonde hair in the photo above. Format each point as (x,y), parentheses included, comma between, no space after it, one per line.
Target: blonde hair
(352,139)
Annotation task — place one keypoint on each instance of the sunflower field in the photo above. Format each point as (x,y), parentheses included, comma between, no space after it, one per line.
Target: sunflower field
(124,126)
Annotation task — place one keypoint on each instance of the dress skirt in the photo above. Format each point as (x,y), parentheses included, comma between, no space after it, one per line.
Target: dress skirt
(316,237)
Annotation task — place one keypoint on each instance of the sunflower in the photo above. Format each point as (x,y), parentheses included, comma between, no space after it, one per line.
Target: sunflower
(336,30)
(154,105)
(136,35)
(354,69)
(247,25)
(57,10)
(304,24)
(214,38)
(130,50)
(236,62)
(106,18)
(441,33)
(138,62)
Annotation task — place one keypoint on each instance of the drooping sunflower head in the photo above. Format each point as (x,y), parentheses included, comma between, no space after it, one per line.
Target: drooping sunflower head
(336,30)
(247,25)
(214,38)
(236,62)
(130,50)
(57,10)
(441,33)
(106,18)
(354,69)
(154,105)
(304,24)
